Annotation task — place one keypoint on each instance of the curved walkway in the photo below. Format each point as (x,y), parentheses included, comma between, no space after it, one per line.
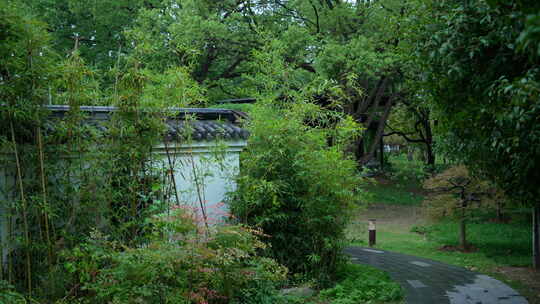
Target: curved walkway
(429,282)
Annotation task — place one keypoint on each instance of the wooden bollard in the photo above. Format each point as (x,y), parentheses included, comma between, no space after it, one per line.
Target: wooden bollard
(372,232)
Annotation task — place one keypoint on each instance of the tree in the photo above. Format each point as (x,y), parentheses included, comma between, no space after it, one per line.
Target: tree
(349,45)
(482,72)
(417,130)
(96,27)
(456,193)
(337,45)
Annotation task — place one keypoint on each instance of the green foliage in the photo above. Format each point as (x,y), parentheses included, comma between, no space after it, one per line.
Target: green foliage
(408,172)
(9,295)
(455,193)
(97,27)
(503,243)
(26,65)
(362,284)
(297,190)
(65,177)
(400,184)
(195,266)
(496,244)
(393,194)
(484,90)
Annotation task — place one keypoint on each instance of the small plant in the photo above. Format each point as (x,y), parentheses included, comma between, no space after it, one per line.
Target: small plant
(192,266)
(420,229)
(362,284)
(9,295)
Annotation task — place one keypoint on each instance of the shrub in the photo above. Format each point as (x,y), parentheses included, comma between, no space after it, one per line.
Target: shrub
(197,265)
(9,295)
(362,284)
(297,189)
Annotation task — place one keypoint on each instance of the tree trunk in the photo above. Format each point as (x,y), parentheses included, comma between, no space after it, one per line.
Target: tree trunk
(463,229)
(499,211)
(381,152)
(536,237)
(379,133)
(463,234)
(410,151)
(430,161)
(430,156)
(359,149)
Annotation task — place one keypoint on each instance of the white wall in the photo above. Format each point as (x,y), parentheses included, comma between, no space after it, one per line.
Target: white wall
(203,172)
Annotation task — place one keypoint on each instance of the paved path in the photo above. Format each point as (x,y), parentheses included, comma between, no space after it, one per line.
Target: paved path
(429,282)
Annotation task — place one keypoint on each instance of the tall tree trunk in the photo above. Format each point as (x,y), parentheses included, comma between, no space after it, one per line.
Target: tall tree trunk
(380,132)
(358,149)
(463,233)
(381,152)
(536,237)
(430,156)
(463,229)
(430,161)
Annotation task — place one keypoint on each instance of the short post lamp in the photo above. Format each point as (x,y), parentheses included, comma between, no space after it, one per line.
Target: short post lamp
(372,232)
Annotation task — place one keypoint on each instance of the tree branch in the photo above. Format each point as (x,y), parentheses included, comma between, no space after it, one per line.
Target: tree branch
(316,16)
(228,73)
(380,129)
(405,137)
(294,14)
(308,67)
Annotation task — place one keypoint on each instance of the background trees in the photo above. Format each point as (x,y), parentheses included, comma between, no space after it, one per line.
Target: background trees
(481,68)
(349,46)
(458,78)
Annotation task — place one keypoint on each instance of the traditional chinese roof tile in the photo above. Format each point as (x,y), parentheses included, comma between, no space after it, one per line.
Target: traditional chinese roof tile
(196,123)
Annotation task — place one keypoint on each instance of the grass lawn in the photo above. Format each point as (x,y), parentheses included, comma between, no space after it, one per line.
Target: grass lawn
(496,244)
(380,191)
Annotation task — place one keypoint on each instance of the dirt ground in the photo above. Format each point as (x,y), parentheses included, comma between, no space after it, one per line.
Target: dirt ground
(393,217)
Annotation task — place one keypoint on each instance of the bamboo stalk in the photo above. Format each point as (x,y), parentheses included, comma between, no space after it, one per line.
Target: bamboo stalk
(1,237)
(200,190)
(10,259)
(171,172)
(25,216)
(44,194)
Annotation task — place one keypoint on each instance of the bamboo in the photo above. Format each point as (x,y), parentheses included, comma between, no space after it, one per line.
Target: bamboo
(10,258)
(25,216)
(171,172)
(44,194)
(200,190)
(536,237)
(1,239)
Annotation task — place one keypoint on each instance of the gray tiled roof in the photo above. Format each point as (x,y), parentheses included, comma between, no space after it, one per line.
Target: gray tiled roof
(205,130)
(204,124)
